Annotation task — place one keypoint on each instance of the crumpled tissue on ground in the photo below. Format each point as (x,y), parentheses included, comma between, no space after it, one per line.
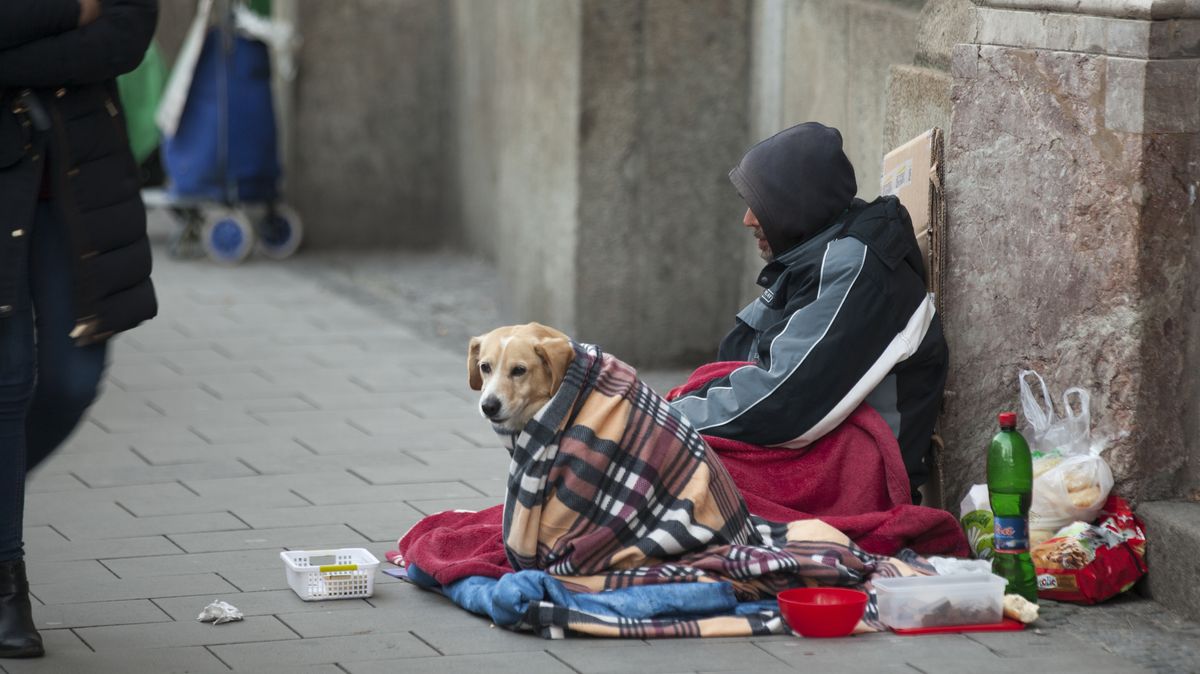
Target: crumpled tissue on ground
(219,612)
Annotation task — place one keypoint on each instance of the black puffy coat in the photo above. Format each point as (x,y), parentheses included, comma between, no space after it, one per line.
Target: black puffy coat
(59,103)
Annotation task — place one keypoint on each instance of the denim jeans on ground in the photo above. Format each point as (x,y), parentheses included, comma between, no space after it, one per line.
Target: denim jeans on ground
(46,381)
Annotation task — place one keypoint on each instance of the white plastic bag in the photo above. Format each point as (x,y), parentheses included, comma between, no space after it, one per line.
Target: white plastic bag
(1070,479)
(1067,489)
(1046,434)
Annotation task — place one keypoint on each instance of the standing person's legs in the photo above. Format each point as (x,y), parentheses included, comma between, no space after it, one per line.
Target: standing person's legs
(16,390)
(18,637)
(68,376)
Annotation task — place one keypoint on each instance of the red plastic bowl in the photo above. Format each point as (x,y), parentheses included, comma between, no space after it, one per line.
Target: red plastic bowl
(822,611)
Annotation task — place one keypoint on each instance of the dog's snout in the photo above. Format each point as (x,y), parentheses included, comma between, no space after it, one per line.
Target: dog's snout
(490,407)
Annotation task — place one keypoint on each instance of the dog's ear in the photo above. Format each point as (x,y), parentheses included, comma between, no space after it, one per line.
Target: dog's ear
(474,379)
(556,354)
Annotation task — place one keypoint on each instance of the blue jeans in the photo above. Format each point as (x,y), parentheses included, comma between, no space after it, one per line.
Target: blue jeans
(46,381)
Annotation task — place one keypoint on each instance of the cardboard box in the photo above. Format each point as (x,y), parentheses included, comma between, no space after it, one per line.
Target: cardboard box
(913,172)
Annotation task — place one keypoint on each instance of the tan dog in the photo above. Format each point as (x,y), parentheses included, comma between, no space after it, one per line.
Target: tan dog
(518,368)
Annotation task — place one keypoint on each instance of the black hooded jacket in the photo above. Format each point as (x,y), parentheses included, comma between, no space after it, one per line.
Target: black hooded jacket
(844,317)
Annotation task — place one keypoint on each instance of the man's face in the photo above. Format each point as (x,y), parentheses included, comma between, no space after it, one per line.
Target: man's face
(764,248)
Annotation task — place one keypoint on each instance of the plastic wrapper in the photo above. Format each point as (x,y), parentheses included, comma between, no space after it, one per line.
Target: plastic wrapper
(1088,563)
(975,514)
(952,566)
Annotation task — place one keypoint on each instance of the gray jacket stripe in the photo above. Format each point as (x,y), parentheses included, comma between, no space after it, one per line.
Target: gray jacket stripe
(843,262)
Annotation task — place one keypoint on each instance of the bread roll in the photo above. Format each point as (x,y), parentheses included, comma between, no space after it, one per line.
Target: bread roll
(1086,498)
(1020,608)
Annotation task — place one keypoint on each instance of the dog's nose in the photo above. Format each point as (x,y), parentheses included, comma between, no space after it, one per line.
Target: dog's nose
(490,407)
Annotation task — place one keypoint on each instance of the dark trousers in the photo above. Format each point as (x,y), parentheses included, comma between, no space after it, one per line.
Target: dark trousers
(46,381)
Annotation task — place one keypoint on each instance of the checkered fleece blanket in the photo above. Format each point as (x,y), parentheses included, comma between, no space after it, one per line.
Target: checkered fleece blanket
(610,487)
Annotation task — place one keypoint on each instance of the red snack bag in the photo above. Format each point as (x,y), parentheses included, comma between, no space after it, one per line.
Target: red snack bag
(1088,563)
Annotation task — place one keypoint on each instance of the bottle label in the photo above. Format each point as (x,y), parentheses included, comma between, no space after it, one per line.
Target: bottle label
(1011,535)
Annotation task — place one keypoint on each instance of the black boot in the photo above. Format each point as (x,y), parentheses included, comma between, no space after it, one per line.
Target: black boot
(18,637)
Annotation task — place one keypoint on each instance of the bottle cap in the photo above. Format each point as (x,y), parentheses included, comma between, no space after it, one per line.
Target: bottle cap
(1008,419)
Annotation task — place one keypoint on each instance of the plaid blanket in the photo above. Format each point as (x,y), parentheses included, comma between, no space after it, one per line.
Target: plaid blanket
(608,476)
(610,488)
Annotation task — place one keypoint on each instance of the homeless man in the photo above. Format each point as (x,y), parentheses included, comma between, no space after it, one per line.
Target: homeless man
(844,317)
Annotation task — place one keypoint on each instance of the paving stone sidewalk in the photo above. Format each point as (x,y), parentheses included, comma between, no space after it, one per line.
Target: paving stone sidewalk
(268,409)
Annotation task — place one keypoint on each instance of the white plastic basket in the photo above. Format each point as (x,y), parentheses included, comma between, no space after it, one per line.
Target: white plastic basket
(346,573)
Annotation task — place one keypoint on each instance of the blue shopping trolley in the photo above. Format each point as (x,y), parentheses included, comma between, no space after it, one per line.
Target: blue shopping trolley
(222,162)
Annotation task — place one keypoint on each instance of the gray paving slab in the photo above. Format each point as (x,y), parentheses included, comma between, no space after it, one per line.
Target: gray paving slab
(245,386)
(365,494)
(189,660)
(526,664)
(397,514)
(112,476)
(257,580)
(293,538)
(123,612)
(419,613)
(90,437)
(431,506)
(88,570)
(494,486)
(231,488)
(443,466)
(193,562)
(99,525)
(185,633)
(410,402)
(1089,663)
(79,592)
(96,460)
(216,433)
(50,549)
(676,654)
(43,483)
(268,464)
(271,602)
(324,650)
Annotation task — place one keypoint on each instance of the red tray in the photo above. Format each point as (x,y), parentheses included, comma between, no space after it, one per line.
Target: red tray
(1008,625)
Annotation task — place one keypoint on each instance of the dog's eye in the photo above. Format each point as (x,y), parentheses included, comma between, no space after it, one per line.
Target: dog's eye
(518,371)
(485,368)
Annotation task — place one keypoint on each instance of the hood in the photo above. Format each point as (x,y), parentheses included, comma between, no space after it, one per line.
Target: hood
(796,182)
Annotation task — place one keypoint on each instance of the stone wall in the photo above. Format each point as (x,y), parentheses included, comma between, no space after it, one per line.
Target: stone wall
(592,139)
(516,77)
(1072,171)
(369,163)
(829,61)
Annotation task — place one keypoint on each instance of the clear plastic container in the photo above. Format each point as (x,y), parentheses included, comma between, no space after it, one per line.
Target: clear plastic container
(940,601)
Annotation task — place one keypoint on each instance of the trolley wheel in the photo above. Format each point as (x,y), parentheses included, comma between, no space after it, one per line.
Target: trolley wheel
(279,232)
(227,237)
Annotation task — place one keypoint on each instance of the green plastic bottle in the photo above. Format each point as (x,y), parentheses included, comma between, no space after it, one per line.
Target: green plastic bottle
(1010,488)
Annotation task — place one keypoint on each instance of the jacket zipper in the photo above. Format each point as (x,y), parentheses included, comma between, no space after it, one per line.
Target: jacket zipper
(86,318)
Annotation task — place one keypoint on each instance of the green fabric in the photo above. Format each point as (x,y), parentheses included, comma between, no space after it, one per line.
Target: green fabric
(140,93)
(260,7)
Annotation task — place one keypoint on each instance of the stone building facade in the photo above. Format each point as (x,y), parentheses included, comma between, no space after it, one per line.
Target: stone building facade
(583,145)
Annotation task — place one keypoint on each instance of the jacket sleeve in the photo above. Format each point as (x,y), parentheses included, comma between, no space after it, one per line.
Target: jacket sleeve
(825,358)
(109,46)
(24,21)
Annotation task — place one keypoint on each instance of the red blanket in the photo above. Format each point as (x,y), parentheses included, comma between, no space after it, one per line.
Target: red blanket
(853,479)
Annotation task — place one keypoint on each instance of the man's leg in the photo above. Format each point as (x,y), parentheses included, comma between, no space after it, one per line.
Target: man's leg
(68,376)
